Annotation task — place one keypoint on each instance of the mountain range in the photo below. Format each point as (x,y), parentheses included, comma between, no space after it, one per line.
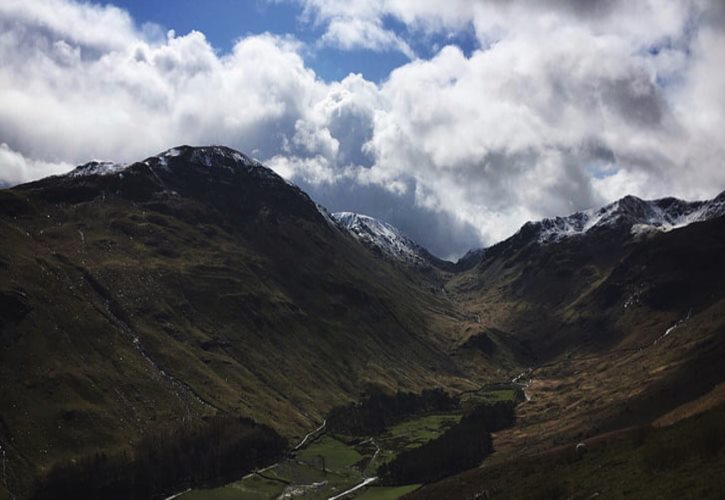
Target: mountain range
(632,214)
(198,283)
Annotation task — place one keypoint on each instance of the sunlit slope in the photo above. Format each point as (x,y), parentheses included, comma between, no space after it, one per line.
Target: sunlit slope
(193,283)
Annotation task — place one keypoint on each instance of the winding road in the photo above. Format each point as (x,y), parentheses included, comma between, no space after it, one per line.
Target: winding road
(355,488)
(304,440)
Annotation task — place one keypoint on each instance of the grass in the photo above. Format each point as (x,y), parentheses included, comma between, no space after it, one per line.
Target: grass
(253,488)
(249,315)
(417,431)
(301,471)
(337,454)
(272,483)
(488,397)
(344,459)
(387,493)
(686,460)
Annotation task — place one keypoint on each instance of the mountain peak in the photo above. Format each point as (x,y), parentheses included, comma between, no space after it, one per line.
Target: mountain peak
(630,213)
(218,176)
(629,216)
(209,157)
(97,168)
(385,239)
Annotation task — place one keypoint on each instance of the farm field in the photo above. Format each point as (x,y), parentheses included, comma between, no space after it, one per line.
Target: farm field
(331,464)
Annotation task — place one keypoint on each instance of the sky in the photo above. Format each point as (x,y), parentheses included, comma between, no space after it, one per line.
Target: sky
(455,121)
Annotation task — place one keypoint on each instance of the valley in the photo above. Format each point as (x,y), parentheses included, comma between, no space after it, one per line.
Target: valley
(160,317)
(332,465)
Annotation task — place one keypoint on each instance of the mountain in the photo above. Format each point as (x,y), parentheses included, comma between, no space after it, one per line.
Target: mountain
(387,240)
(194,283)
(635,214)
(565,264)
(138,300)
(622,219)
(625,333)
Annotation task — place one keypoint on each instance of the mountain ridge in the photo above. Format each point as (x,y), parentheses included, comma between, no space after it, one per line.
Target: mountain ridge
(630,215)
(388,240)
(640,216)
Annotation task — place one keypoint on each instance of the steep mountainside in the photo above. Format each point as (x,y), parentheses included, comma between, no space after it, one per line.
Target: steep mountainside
(557,273)
(622,328)
(196,282)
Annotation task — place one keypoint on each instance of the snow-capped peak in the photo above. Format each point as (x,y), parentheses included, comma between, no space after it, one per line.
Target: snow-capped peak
(97,168)
(208,156)
(637,215)
(383,237)
(211,157)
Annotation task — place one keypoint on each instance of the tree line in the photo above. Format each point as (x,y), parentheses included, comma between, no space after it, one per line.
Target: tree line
(380,410)
(213,451)
(460,447)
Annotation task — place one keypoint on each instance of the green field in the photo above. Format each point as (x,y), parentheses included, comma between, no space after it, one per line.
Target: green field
(253,488)
(489,396)
(385,493)
(417,431)
(337,455)
(334,466)
(335,463)
(324,468)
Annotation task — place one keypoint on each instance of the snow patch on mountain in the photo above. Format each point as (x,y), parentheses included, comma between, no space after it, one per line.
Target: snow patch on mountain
(640,216)
(383,237)
(97,168)
(218,158)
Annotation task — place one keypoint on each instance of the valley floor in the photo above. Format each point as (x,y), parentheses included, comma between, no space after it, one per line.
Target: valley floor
(336,466)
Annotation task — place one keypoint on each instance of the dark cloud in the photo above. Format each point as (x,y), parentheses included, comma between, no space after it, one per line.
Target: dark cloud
(638,100)
(440,232)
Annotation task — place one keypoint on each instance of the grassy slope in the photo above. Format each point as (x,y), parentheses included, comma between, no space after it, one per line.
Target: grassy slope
(603,363)
(590,312)
(596,292)
(686,460)
(278,321)
(386,493)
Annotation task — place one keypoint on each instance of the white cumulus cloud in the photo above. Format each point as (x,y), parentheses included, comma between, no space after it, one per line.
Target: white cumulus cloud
(561,106)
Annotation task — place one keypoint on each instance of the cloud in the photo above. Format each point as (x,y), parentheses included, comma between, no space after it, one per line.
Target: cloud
(562,105)
(16,168)
(136,96)
(350,33)
(357,24)
(340,123)
(514,131)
